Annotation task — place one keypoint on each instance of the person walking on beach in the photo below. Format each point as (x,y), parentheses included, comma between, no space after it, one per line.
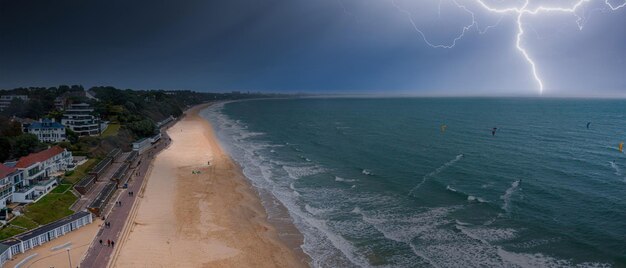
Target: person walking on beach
(108,243)
(112,243)
(101,242)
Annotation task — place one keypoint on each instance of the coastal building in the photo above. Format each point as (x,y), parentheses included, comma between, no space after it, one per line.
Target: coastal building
(24,242)
(165,121)
(24,122)
(9,177)
(5,100)
(142,145)
(47,130)
(61,102)
(80,119)
(39,173)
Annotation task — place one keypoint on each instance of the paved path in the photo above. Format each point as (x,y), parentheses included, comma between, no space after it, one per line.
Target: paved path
(99,255)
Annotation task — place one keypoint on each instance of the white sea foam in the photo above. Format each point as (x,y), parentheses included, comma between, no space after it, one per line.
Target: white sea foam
(325,246)
(298,172)
(450,189)
(435,172)
(472,198)
(367,172)
(337,178)
(316,211)
(616,168)
(508,194)
(539,260)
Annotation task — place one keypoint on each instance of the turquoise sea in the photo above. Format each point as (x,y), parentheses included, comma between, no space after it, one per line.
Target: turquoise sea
(379,182)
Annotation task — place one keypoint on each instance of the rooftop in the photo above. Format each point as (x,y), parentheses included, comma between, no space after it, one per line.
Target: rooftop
(43,229)
(5,171)
(45,123)
(33,158)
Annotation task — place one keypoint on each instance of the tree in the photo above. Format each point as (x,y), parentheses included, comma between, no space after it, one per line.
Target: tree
(9,128)
(25,144)
(17,107)
(71,136)
(142,128)
(5,149)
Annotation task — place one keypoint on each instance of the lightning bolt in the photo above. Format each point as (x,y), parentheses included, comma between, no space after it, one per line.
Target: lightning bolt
(465,29)
(520,12)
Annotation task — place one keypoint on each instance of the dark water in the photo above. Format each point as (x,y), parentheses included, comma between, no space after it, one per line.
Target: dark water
(376,182)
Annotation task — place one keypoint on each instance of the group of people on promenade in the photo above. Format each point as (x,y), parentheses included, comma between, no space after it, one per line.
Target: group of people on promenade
(110,243)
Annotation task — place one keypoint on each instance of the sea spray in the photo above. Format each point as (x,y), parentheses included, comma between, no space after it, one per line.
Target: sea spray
(435,172)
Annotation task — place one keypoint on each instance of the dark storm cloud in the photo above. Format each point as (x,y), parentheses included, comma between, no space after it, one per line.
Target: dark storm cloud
(294,45)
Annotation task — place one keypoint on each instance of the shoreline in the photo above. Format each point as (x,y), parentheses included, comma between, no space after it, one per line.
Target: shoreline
(214,218)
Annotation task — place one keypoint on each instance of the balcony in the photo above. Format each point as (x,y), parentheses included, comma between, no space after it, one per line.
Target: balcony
(35,191)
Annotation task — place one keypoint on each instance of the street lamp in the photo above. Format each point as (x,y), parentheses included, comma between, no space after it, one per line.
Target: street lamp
(68,257)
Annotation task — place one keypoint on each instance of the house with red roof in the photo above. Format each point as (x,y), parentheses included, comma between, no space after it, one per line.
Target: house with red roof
(39,173)
(9,177)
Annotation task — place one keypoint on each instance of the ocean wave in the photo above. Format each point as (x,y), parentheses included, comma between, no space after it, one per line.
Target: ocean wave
(539,260)
(322,243)
(472,198)
(316,211)
(367,172)
(508,194)
(616,168)
(298,172)
(340,179)
(435,172)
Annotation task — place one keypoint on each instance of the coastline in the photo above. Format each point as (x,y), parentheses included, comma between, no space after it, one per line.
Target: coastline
(214,218)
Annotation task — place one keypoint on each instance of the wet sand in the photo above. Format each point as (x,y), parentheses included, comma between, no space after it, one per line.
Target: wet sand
(210,219)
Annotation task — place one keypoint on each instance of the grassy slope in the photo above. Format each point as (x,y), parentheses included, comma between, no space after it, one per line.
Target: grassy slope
(80,171)
(111,130)
(55,205)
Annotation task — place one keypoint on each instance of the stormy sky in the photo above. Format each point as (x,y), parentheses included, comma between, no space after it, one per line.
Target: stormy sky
(318,46)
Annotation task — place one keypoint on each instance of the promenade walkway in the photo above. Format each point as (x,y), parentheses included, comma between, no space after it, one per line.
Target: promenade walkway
(99,255)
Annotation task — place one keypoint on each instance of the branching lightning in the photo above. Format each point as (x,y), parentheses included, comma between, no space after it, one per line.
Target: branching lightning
(520,12)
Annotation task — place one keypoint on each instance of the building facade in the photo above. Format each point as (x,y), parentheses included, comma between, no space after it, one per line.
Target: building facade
(80,119)
(47,130)
(5,100)
(38,173)
(9,178)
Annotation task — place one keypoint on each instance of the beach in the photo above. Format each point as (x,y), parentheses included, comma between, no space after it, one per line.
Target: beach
(194,214)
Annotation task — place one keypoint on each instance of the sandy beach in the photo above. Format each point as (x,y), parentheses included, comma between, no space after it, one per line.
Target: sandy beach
(210,219)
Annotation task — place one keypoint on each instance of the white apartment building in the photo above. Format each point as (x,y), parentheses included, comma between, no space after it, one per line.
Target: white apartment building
(80,119)
(47,130)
